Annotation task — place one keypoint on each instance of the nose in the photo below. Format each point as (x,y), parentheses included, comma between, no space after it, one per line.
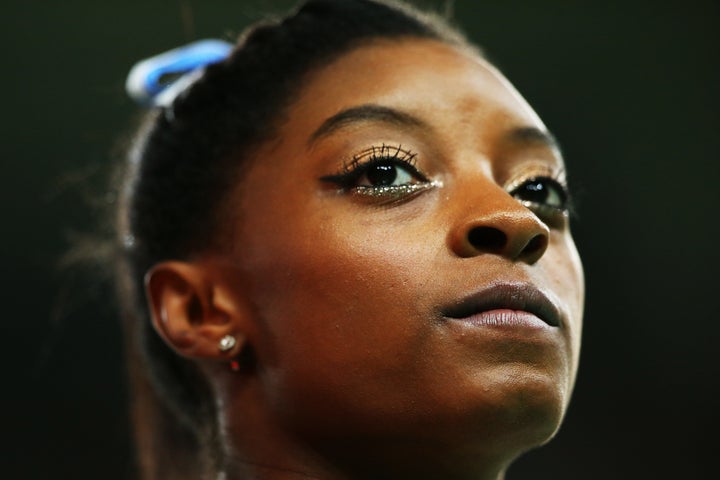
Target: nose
(498,224)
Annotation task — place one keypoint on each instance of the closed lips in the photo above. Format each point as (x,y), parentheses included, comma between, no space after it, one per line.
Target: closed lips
(506,296)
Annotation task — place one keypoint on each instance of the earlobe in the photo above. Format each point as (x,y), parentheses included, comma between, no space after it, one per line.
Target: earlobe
(191,312)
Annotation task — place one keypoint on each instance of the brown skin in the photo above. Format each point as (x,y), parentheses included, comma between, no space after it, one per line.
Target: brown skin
(340,296)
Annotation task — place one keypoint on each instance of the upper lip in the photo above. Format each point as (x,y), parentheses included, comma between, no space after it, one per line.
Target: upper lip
(513,296)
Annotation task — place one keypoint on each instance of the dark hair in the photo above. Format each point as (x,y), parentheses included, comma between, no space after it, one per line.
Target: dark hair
(184,162)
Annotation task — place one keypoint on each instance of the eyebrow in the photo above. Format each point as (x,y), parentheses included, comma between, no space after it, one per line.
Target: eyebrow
(377,113)
(365,113)
(532,136)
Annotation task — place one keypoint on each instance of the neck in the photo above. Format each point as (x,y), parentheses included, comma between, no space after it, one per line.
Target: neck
(281,457)
(258,447)
(238,469)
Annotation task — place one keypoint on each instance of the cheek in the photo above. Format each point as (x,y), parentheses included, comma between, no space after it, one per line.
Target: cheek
(342,311)
(565,271)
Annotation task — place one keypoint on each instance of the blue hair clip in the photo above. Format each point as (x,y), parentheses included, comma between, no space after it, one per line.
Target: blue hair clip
(157,80)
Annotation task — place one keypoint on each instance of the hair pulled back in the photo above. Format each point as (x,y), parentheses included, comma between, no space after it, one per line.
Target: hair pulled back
(184,162)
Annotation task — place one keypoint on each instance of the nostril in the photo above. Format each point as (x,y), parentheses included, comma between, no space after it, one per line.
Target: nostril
(487,238)
(537,244)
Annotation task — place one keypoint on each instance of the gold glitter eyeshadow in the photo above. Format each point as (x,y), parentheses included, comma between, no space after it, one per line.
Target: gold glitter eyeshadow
(393,191)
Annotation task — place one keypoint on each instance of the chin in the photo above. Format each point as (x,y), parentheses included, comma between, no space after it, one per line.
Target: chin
(523,410)
(489,432)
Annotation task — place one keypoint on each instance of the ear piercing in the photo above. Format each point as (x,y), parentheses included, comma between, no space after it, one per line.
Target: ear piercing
(227,343)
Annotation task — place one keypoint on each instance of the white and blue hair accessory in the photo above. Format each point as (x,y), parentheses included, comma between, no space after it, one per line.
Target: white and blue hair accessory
(158,80)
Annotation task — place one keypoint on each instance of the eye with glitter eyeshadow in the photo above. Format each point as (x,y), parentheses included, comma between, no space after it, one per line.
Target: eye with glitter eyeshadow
(383,172)
(547,196)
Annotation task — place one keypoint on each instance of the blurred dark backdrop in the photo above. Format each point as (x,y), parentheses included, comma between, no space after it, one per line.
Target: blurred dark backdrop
(630,89)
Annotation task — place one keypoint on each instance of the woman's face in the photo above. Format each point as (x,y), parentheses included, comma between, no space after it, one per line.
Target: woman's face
(406,249)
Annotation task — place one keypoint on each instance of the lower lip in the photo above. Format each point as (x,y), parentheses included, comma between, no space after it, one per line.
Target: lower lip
(505,318)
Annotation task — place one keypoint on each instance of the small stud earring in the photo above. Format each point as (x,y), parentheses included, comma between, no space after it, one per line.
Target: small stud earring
(227,343)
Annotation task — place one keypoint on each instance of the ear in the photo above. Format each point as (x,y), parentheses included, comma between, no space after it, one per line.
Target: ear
(193,309)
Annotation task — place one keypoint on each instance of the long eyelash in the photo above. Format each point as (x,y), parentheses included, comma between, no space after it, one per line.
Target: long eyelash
(558,177)
(383,152)
(353,169)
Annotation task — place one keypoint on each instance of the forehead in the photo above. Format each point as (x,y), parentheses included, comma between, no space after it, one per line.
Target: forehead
(439,83)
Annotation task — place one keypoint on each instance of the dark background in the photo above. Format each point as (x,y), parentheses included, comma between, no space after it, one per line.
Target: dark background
(629,88)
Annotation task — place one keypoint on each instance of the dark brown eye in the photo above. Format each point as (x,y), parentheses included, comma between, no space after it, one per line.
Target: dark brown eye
(542,191)
(383,175)
(386,175)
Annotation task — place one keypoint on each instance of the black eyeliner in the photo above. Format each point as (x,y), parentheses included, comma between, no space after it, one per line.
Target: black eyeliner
(371,157)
